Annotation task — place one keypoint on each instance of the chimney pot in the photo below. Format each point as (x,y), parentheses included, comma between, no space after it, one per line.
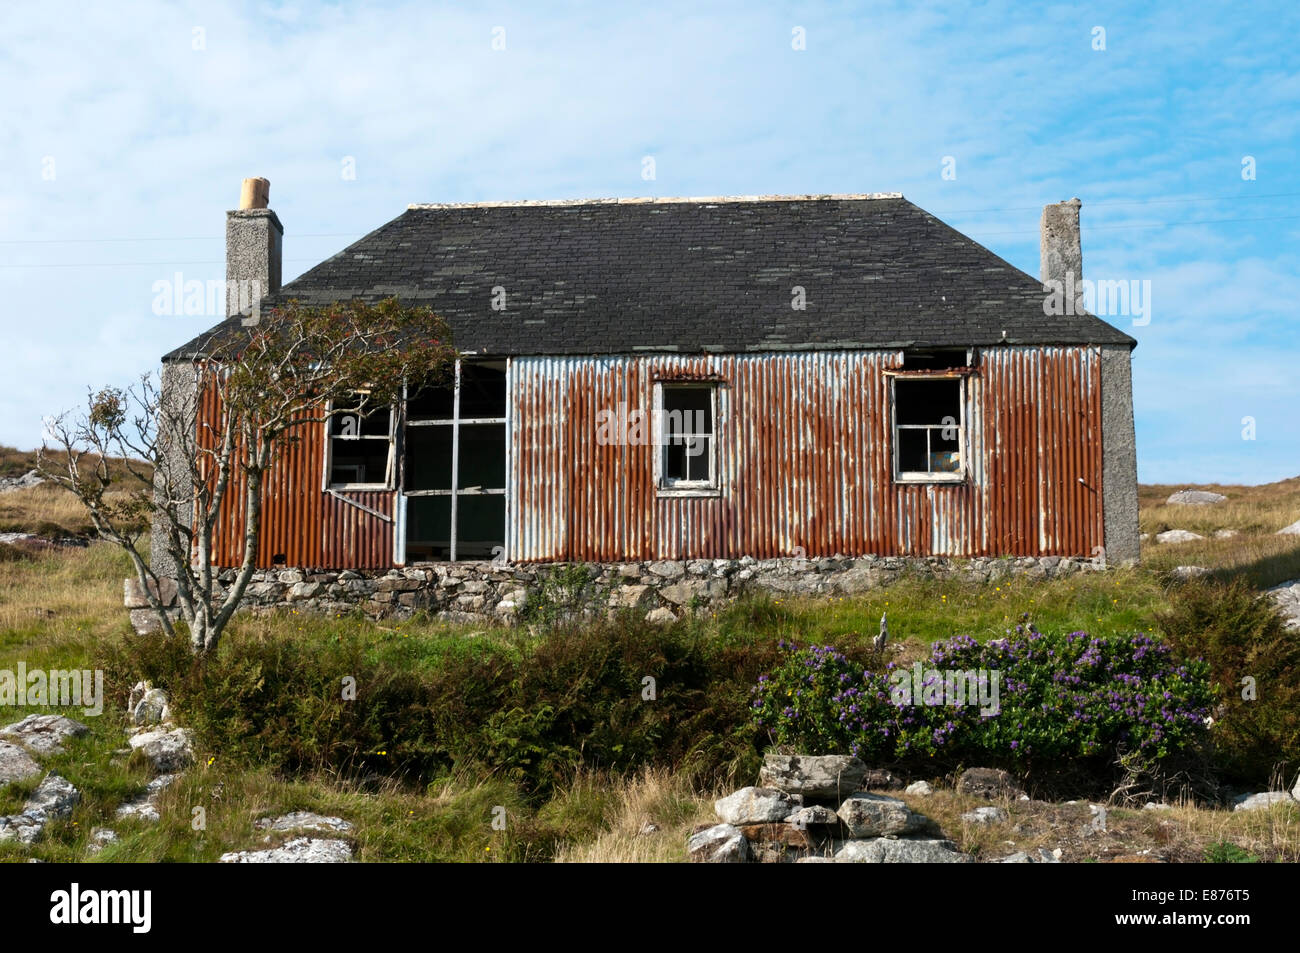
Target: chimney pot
(255,193)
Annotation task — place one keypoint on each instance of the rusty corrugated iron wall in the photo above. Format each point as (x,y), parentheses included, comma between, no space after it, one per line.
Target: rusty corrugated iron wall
(303,526)
(805,466)
(805,460)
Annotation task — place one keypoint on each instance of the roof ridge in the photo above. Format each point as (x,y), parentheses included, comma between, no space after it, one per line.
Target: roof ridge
(666,200)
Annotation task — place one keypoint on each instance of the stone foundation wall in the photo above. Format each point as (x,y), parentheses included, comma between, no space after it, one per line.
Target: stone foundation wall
(663,590)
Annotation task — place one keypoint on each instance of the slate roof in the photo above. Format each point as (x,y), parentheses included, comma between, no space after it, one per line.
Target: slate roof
(694,275)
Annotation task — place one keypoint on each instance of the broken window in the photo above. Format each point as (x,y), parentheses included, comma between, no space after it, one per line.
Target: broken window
(688,452)
(454,466)
(360,454)
(929,441)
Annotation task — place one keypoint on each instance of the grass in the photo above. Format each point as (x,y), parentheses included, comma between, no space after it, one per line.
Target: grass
(1256,513)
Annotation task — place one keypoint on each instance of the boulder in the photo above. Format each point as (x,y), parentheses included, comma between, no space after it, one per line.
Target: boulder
(829,777)
(1292,530)
(24,828)
(1177,536)
(300,850)
(919,789)
(816,815)
(755,805)
(16,764)
(1225,533)
(720,844)
(44,734)
(304,821)
(987,783)
(145,807)
(166,749)
(1261,801)
(875,815)
(886,850)
(133,594)
(631,597)
(985,815)
(1188,572)
(660,616)
(668,569)
(151,709)
(53,797)
(1195,498)
(782,835)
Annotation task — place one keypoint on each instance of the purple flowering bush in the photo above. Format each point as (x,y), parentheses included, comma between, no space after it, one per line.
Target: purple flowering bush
(1042,697)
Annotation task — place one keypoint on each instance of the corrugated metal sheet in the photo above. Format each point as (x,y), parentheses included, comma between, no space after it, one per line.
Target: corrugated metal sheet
(805,458)
(805,467)
(302,526)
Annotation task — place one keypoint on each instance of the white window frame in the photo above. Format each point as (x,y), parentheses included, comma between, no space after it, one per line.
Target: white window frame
(455,422)
(664,485)
(327,486)
(926,476)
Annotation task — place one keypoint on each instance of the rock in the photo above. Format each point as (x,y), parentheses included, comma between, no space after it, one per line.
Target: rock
(1195,498)
(25,482)
(1188,572)
(889,851)
(985,815)
(1019,857)
(54,797)
(304,821)
(720,844)
(660,616)
(168,750)
(1177,536)
(300,850)
(919,789)
(152,709)
(1295,791)
(145,807)
(1225,533)
(668,569)
(816,815)
(829,777)
(874,815)
(24,828)
(878,779)
(1292,530)
(133,594)
(784,835)
(631,597)
(306,590)
(101,837)
(1261,801)
(814,860)
(16,764)
(648,828)
(987,783)
(44,734)
(755,805)
(1153,806)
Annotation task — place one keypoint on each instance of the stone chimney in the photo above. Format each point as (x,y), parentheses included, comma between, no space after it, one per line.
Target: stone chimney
(1059,249)
(254,243)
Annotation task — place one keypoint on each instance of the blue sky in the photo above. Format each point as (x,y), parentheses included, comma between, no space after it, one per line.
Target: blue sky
(127,128)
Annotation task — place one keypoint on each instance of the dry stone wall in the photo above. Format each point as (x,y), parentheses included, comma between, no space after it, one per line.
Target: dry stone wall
(663,590)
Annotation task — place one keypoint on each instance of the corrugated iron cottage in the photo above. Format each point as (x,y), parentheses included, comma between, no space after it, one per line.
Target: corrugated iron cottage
(647,379)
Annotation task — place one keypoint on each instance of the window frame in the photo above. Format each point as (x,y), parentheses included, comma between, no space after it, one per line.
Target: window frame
(672,487)
(389,467)
(963,444)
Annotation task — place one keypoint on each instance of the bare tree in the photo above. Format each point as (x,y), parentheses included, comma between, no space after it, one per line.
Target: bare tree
(206,436)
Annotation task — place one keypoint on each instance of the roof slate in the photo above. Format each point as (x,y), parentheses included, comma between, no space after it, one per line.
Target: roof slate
(693,276)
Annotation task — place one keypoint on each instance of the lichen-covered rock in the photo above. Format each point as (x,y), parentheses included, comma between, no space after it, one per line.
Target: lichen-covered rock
(1177,536)
(720,844)
(54,797)
(886,850)
(815,815)
(304,821)
(919,789)
(166,749)
(1262,801)
(875,815)
(300,850)
(1195,498)
(755,805)
(830,777)
(44,734)
(16,764)
(985,815)
(151,709)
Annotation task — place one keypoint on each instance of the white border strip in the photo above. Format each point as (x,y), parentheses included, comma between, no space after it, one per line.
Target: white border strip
(694,200)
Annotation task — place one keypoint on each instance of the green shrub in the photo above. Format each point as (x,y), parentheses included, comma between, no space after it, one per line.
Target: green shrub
(1240,633)
(1225,852)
